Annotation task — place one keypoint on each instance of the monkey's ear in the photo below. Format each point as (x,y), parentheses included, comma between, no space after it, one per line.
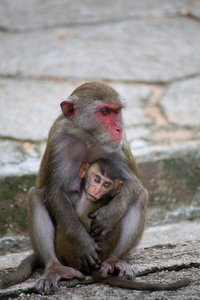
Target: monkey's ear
(117,190)
(68,109)
(83,168)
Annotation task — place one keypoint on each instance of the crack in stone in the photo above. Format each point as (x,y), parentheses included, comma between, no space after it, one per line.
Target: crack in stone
(176,268)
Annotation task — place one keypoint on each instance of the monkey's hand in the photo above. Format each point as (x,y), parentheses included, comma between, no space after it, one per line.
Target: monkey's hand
(87,255)
(106,218)
(103,222)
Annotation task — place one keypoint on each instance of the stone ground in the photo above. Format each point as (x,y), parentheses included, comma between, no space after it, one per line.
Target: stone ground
(147,50)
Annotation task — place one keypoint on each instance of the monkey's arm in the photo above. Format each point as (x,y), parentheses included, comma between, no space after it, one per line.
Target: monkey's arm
(106,218)
(131,194)
(85,247)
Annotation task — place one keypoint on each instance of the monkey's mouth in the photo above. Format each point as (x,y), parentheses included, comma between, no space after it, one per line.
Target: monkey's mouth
(92,198)
(115,141)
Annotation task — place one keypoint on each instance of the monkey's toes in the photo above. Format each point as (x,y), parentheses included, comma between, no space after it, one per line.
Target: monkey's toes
(70,273)
(47,285)
(118,268)
(125,270)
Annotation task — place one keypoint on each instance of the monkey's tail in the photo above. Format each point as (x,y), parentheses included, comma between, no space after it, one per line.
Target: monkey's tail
(24,270)
(138,285)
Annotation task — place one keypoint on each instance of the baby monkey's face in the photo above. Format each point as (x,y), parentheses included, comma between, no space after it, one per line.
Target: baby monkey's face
(97,185)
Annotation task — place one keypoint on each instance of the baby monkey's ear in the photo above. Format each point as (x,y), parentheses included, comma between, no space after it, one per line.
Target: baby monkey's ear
(83,168)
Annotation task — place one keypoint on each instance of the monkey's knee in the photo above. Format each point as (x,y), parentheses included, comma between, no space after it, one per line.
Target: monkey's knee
(32,192)
(143,197)
(36,195)
(146,195)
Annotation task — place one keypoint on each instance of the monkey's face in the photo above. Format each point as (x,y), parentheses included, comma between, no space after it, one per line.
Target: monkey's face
(97,185)
(109,118)
(94,111)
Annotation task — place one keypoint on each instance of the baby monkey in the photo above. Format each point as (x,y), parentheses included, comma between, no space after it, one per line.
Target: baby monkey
(100,183)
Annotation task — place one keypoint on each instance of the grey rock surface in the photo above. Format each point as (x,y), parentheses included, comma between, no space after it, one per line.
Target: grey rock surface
(17,158)
(41,14)
(165,263)
(171,234)
(181,102)
(153,50)
(193,9)
(29,107)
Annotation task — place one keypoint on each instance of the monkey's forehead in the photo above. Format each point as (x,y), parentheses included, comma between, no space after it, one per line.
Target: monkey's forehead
(96,101)
(96,90)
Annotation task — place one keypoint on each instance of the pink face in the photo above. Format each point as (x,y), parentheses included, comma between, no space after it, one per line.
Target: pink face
(98,186)
(109,115)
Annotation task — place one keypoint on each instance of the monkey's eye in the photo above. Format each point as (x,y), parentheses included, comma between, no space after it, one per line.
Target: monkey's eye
(96,179)
(105,111)
(107,185)
(117,111)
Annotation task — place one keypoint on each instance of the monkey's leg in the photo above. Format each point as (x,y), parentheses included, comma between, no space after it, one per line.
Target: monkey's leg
(41,229)
(42,235)
(133,224)
(132,229)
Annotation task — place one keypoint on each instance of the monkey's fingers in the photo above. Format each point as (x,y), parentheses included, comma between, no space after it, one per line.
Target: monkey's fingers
(112,264)
(93,214)
(97,248)
(100,236)
(89,263)
(125,270)
(96,229)
(71,273)
(47,284)
(106,268)
(94,261)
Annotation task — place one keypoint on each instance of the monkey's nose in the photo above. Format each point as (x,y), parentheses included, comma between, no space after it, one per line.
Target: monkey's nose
(119,131)
(96,191)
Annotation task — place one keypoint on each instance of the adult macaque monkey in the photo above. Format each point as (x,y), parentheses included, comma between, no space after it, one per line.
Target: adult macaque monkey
(89,128)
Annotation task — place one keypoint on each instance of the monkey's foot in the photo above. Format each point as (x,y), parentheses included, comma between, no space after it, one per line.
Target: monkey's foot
(111,265)
(48,282)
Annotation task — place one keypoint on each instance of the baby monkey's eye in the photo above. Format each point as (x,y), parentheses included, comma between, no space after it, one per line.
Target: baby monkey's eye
(107,185)
(96,179)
